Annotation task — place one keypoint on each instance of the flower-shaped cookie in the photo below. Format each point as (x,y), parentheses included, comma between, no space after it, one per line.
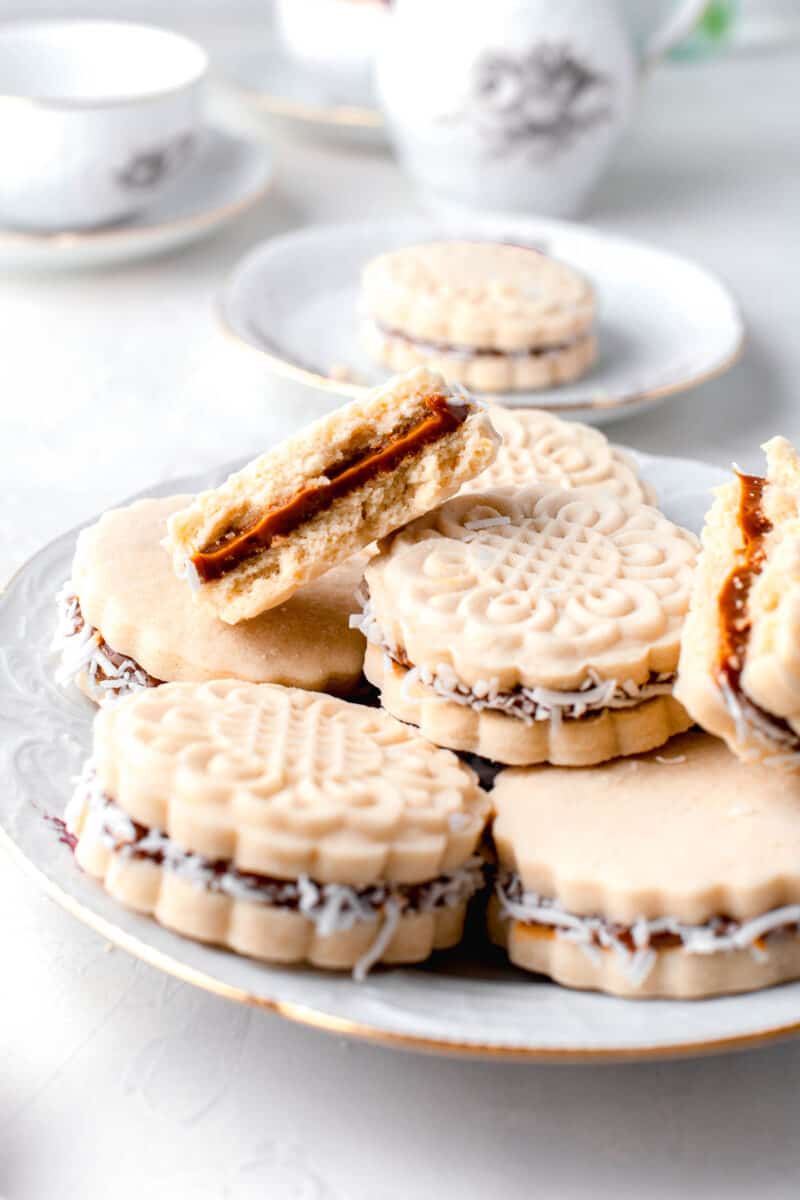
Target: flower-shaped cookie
(536,587)
(538,447)
(286,783)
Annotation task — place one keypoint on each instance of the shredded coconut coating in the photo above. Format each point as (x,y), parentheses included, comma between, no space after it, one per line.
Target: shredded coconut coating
(594,934)
(84,655)
(529,704)
(332,907)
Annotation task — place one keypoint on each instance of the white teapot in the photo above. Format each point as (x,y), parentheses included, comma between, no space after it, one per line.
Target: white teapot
(509,106)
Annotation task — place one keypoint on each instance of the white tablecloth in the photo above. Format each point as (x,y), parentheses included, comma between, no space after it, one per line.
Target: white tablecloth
(118,1081)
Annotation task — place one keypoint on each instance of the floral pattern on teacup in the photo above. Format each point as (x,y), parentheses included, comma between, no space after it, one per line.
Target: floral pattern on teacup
(148,168)
(539,102)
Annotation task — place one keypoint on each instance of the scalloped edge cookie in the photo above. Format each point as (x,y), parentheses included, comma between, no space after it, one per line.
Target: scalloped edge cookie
(478,295)
(505,739)
(539,447)
(260,931)
(671,874)
(283,782)
(532,371)
(674,974)
(579,584)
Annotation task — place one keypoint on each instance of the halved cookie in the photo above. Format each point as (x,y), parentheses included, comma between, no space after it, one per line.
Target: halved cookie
(675,874)
(494,316)
(283,824)
(126,621)
(739,672)
(327,492)
(538,447)
(532,625)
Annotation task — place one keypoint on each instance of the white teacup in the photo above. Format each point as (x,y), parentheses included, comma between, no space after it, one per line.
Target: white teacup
(96,119)
(337,40)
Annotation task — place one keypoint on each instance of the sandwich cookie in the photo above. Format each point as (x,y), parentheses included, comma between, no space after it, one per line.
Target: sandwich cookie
(493,316)
(675,874)
(532,625)
(126,622)
(287,826)
(739,672)
(327,492)
(538,447)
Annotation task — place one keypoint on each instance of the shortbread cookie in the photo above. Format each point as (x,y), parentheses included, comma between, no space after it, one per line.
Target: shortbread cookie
(494,316)
(327,492)
(283,824)
(127,622)
(675,874)
(538,447)
(739,672)
(532,625)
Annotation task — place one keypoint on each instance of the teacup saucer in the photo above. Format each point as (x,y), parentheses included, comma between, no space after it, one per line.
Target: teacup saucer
(229,176)
(276,87)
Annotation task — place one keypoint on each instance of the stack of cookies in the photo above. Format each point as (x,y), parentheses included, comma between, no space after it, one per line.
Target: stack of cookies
(495,316)
(520,605)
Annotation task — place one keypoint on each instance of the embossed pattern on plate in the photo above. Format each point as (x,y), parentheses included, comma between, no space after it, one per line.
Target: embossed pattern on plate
(462,1003)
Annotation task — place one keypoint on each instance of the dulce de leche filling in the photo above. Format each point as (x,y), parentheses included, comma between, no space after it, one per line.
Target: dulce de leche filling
(735,625)
(235,546)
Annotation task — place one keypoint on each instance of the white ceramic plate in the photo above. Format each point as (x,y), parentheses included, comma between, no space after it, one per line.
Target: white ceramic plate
(228,177)
(665,324)
(275,86)
(467,1003)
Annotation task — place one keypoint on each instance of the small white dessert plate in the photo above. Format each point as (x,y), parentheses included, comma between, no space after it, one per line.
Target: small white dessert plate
(277,87)
(470,1002)
(230,175)
(664,323)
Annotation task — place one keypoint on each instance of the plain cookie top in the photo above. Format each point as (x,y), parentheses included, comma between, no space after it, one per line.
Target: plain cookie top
(285,782)
(536,587)
(128,590)
(478,295)
(687,832)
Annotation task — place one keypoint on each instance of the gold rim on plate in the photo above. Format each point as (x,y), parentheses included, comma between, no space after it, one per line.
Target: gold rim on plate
(344,1027)
(286,369)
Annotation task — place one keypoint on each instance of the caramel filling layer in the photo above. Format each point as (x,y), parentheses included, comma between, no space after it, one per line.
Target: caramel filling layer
(235,546)
(735,625)
(461,351)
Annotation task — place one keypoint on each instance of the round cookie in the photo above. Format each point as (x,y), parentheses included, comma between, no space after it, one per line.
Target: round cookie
(674,874)
(538,447)
(284,824)
(128,622)
(491,315)
(532,625)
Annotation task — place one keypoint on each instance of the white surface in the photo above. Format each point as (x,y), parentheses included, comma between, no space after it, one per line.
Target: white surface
(115,1080)
(448,1001)
(228,175)
(662,321)
(97,118)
